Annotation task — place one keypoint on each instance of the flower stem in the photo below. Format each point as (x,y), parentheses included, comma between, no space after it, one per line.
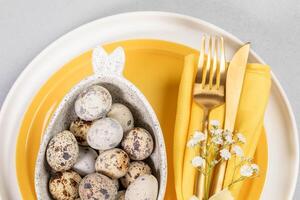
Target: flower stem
(236,181)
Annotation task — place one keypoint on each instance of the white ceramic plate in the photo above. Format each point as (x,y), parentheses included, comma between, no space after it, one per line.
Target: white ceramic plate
(279,121)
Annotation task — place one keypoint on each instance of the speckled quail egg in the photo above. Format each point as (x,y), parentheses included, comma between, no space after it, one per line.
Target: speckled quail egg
(114,163)
(116,182)
(105,134)
(62,151)
(93,103)
(138,144)
(97,186)
(85,163)
(79,128)
(144,187)
(64,185)
(121,195)
(123,115)
(136,169)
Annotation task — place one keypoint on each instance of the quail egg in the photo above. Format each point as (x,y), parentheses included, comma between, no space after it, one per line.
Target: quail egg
(136,169)
(116,182)
(97,186)
(121,195)
(64,185)
(138,144)
(79,129)
(144,187)
(85,163)
(105,134)
(93,103)
(123,115)
(114,163)
(62,151)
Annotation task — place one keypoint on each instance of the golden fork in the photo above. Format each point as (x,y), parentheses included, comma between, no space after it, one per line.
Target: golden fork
(209,89)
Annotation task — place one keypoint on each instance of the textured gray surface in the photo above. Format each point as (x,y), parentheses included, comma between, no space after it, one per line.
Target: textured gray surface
(273,27)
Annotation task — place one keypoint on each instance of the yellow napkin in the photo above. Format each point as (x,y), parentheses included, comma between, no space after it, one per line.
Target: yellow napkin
(184,103)
(189,115)
(250,116)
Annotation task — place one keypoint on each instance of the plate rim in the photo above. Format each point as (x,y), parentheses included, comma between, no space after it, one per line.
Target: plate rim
(8,99)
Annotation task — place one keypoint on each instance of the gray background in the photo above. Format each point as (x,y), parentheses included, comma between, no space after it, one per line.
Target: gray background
(273,27)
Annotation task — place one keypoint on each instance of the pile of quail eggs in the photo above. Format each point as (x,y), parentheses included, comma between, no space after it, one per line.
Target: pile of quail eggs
(101,155)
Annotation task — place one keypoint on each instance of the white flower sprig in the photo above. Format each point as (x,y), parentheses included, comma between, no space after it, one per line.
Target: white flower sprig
(241,138)
(197,161)
(218,145)
(214,123)
(246,170)
(237,150)
(196,139)
(225,154)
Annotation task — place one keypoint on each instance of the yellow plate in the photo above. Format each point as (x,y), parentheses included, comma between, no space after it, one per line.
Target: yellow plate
(154,67)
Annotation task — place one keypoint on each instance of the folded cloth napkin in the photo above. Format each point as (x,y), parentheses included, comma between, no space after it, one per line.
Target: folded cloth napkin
(182,121)
(253,101)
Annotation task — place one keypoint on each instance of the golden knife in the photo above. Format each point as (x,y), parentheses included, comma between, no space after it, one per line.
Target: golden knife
(234,82)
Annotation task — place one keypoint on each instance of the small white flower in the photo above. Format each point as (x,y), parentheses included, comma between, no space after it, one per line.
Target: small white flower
(255,168)
(214,122)
(241,138)
(237,150)
(192,142)
(219,131)
(246,170)
(216,132)
(212,131)
(228,138)
(225,154)
(199,136)
(217,140)
(197,161)
(193,198)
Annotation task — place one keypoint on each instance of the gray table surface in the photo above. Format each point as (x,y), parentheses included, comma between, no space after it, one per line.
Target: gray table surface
(273,27)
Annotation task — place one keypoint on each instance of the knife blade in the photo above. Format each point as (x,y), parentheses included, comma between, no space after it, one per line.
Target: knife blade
(234,83)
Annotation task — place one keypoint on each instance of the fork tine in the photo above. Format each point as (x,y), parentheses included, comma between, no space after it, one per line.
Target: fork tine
(218,74)
(201,60)
(206,69)
(213,67)
(222,66)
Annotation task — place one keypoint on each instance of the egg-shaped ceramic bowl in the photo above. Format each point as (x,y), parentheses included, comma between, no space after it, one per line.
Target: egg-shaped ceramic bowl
(107,73)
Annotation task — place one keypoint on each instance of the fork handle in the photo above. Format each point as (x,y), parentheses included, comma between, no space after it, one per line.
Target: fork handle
(201,181)
(219,176)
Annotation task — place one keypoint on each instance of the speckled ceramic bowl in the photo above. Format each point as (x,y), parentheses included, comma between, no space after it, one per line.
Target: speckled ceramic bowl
(108,73)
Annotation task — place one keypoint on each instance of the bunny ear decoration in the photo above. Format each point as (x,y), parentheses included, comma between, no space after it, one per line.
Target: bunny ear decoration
(104,63)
